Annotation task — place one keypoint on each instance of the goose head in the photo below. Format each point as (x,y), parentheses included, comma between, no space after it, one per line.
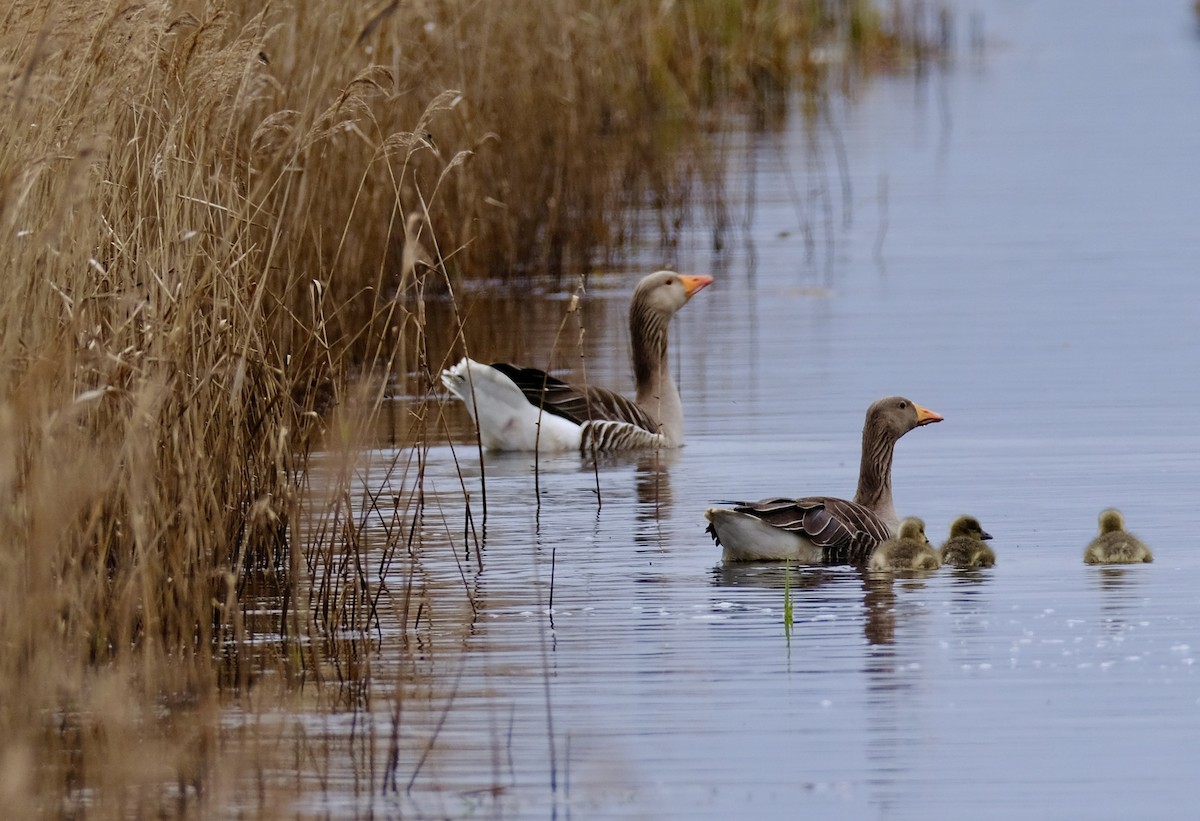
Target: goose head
(912,528)
(969,526)
(665,292)
(893,416)
(1111,521)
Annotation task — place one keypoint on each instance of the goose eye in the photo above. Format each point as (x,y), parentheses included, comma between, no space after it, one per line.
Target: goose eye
(903,405)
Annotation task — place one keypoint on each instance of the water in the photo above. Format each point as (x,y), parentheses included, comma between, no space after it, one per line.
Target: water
(1020,257)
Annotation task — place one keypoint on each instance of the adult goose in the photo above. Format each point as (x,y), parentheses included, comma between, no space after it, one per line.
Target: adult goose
(1116,545)
(527,409)
(965,547)
(824,529)
(909,550)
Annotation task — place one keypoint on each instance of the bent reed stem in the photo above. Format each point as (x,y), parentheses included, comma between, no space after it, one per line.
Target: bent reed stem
(224,229)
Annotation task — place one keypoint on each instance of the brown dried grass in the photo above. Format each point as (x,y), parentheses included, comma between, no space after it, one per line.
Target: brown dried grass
(210,216)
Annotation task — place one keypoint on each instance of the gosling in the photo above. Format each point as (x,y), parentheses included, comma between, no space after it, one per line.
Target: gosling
(965,547)
(909,550)
(1115,545)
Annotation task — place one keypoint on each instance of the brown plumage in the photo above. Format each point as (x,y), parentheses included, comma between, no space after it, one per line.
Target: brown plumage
(965,547)
(576,404)
(909,550)
(526,409)
(824,529)
(1116,545)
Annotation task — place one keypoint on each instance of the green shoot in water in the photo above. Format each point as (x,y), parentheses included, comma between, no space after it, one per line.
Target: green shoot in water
(787,601)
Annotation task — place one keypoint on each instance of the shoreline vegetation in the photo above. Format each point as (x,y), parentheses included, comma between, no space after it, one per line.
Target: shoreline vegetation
(218,220)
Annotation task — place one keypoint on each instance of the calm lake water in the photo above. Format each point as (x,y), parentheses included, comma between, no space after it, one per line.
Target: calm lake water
(1019,253)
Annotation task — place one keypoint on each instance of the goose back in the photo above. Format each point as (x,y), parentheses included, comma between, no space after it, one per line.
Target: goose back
(574,404)
(846,532)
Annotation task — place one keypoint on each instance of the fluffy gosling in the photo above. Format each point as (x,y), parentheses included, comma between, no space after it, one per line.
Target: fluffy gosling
(1115,545)
(909,550)
(965,547)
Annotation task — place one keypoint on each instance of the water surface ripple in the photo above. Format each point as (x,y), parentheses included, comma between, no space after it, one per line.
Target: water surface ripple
(1035,282)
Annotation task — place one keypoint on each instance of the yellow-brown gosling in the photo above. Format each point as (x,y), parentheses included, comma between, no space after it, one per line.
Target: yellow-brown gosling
(909,550)
(965,547)
(1115,545)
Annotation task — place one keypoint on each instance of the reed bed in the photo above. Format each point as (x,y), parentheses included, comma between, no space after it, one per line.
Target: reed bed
(217,221)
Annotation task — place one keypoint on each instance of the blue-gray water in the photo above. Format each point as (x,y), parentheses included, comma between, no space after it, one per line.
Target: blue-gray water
(1021,256)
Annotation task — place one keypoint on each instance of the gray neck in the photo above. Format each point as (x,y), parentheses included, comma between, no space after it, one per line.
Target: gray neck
(875,475)
(656,391)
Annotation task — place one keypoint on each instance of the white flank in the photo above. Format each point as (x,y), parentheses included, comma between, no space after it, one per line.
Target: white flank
(746,538)
(505,419)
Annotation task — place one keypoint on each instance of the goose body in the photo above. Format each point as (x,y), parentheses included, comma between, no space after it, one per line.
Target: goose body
(908,550)
(518,408)
(825,529)
(1116,545)
(965,547)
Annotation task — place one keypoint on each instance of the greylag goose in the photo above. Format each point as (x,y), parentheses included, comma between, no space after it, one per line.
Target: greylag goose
(527,409)
(823,529)
(965,547)
(909,550)
(1115,545)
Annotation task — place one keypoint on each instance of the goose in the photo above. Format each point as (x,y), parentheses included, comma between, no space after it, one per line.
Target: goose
(527,409)
(824,529)
(1115,545)
(965,547)
(909,550)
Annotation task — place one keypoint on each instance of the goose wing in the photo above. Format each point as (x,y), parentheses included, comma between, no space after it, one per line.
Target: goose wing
(578,405)
(845,531)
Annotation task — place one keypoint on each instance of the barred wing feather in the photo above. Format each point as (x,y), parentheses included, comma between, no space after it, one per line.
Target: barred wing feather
(845,531)
(575,404)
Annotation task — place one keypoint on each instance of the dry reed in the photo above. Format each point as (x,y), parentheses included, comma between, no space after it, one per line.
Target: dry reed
(211,216)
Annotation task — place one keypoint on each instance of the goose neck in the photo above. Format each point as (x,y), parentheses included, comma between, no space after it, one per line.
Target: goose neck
(875,475)
(656,391)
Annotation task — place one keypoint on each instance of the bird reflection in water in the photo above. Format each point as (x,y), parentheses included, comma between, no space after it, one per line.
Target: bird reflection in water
(652,481)
(1119,587)
(803,581)
(651,477)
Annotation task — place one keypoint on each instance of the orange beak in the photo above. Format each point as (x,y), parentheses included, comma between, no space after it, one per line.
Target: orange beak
(925,416)
(694,282)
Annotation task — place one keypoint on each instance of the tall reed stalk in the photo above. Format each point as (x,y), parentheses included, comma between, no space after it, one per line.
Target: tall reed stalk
(214,218)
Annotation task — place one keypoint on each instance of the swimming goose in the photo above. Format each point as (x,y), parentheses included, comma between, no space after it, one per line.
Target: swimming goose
(823,529)
(1115,545)
(965,547)
(909,550)
(507,398)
